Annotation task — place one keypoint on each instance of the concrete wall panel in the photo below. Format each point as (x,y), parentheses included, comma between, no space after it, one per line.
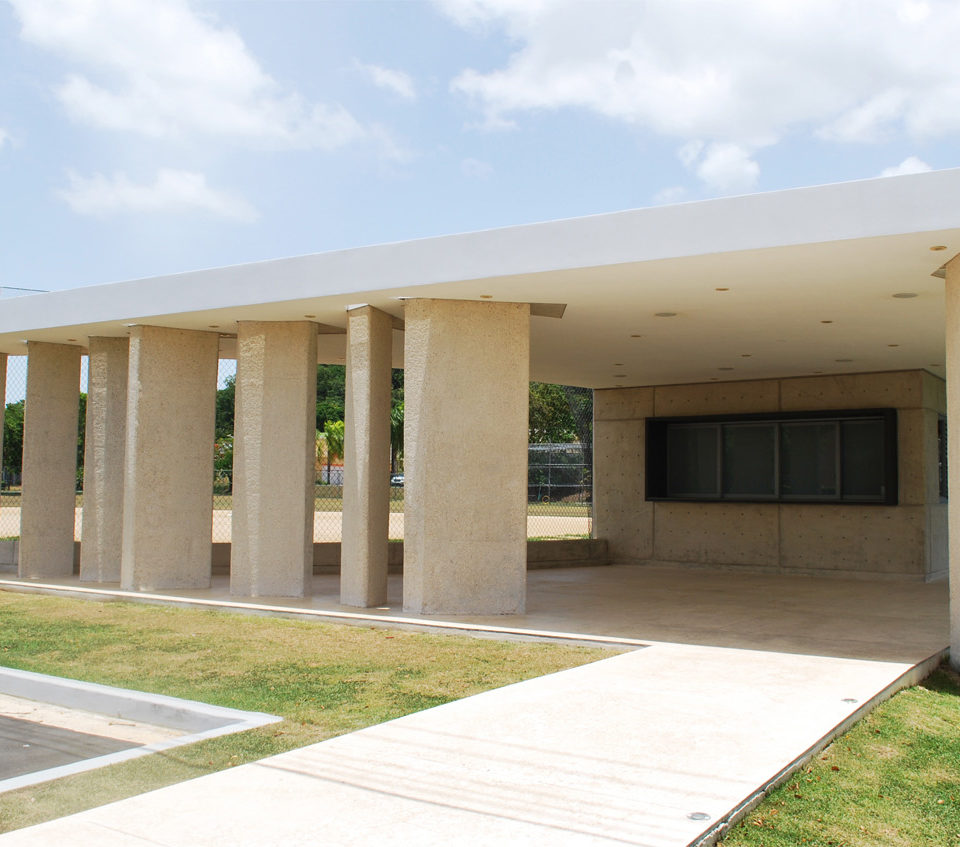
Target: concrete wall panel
(938,541)
(721,398)
(900,389)
(619,404)
(871,539)
(835,537)
(725,533)
(911,448)
(934,392)
(621,514)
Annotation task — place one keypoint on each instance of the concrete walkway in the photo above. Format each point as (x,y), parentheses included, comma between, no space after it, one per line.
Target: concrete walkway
(657,746)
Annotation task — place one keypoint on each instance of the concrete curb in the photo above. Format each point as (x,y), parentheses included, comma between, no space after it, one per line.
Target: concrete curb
(322,615)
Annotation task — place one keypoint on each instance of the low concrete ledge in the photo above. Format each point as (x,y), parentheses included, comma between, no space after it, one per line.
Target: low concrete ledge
(10,551)
(558,553)
(550,553)
(567,553)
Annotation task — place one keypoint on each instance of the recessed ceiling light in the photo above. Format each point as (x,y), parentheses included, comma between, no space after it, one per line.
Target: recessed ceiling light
(934,366)
(618,364)
(724,369)
(939,247)
(905,295)
(309,316)
(635,335)
(826,322)
(213,326)
(843,360)
(745,355)
(666,314)
(486,296)
(71,339)
(721,289)
(893,345)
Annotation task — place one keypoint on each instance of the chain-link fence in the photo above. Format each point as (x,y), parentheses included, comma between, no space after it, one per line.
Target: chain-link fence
(560,462)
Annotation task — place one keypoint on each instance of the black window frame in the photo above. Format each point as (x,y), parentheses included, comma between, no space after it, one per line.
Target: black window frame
(658,428)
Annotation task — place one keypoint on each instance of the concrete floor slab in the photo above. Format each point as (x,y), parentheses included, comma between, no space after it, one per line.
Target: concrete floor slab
(827,616)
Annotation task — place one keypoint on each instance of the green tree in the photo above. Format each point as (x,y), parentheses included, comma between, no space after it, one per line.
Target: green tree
(331,392)
(396,437)
(13,437)
(551,421)
(226,401)
(13,415)
(81,439)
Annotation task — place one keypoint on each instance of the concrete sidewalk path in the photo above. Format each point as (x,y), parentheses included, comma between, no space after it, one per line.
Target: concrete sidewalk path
(655,747)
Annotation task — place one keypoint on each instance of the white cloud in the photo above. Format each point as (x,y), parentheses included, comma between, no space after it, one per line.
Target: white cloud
(910,165)
(743,72)
(728,168)
(173,191)
(670,194)
(476,168)
(4,137)
(390,80)
(162,70)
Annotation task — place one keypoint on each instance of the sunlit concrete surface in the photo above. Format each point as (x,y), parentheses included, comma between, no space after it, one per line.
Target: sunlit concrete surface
(744,674)
(654,747)
(882,621)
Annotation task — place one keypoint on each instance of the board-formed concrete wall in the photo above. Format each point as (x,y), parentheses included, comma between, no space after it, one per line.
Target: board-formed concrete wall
(907,541)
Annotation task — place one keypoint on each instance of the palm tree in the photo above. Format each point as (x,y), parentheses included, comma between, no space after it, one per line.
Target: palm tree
(396,437)
(333,435)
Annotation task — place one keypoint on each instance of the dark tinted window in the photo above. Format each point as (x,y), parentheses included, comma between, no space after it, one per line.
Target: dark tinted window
(692,461)
(862,458)
(750,460)
(808,460)
(843,456)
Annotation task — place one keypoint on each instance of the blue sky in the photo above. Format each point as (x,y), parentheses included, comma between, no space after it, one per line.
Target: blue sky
(141,138)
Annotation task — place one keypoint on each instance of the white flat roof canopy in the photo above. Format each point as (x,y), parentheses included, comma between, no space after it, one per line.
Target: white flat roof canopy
(786,283)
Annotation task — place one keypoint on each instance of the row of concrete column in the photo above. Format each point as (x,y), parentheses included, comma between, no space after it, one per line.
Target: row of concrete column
(148,475)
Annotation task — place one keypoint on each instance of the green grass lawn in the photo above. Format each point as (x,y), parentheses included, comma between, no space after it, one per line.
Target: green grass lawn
(891,781)
(324,680)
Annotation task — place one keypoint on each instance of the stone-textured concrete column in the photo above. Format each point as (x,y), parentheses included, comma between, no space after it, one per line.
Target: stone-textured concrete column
(953,449)
(168,465)
(366,463)
(3,404)
(48,503)
(466,396)
(273,459)
(101,547)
